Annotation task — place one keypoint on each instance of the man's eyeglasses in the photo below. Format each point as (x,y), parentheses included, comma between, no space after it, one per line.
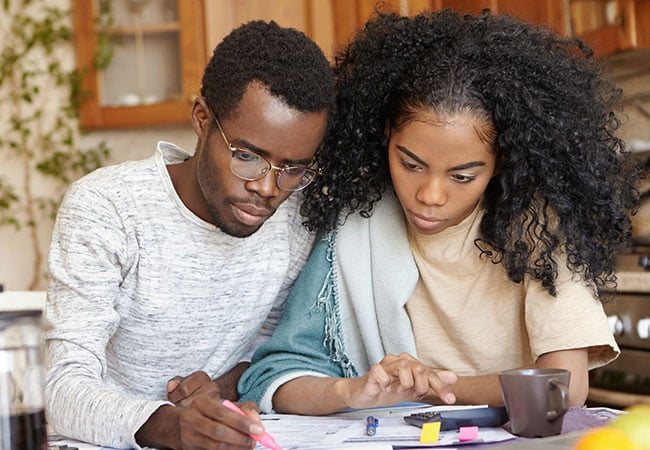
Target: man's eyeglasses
(250,166)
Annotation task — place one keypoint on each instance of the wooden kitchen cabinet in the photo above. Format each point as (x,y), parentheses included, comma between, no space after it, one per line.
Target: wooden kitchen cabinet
(156,69)
(159,60)
(331,23)
(610,26)
(607,25)
(352,15)
(313,17)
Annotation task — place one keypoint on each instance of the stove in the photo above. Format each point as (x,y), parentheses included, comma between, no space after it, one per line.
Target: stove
(626,381)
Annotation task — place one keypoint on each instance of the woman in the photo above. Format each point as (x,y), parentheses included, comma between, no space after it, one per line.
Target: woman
(478,203)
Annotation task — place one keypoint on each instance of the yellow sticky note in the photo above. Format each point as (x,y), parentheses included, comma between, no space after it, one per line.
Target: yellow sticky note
(430,432)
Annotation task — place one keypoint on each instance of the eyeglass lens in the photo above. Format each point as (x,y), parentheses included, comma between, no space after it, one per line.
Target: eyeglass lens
(250,166)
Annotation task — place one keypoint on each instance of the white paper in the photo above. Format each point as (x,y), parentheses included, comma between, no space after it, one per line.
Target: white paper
(347,429)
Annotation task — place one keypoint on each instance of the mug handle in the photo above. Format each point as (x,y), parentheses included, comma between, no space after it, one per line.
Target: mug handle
(562,392)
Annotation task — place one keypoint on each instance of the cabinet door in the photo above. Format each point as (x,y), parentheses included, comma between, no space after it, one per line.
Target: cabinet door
(610,25)
(598,23)
(158,58)
(313,17)
(351,15)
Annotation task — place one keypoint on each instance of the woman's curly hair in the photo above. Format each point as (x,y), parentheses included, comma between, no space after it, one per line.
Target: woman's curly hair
(562,184)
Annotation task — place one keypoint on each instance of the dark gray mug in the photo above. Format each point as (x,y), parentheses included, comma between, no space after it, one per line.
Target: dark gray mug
(536,400)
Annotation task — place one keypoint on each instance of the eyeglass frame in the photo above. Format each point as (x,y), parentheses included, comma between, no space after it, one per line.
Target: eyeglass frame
(278,170)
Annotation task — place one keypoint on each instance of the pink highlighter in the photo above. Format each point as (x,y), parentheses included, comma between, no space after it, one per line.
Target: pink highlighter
(265,439)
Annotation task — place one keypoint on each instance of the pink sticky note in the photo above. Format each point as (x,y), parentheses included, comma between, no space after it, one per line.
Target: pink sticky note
(467,434)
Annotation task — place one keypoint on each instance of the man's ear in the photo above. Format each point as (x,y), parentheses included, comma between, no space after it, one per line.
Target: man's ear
(201,116)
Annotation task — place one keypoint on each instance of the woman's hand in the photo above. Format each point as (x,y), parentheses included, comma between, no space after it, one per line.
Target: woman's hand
(396,379)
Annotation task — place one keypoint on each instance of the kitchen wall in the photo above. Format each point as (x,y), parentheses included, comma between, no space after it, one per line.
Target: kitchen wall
(16,255)
(631,71)
(16,258)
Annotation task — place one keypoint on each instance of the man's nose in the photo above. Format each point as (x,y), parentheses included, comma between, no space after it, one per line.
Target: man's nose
(267,186)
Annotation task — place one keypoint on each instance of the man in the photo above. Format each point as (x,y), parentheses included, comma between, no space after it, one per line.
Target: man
(177,267)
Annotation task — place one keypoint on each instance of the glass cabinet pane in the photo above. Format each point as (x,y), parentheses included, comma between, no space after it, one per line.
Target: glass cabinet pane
(146,65)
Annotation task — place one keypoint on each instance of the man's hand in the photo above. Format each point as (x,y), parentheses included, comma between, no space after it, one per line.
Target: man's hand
(396,379)
(204,424)
(182,390)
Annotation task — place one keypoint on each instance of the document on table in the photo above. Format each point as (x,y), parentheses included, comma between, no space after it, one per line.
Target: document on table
(61,443)
(348,430)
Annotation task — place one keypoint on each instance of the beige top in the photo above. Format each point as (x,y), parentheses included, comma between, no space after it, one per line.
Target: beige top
(468,316)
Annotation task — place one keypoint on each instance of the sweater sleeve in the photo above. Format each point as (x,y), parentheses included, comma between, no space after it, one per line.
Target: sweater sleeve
(88,258)
(301,344)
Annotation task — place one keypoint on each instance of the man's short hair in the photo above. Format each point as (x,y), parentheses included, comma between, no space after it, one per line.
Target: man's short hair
(285,60)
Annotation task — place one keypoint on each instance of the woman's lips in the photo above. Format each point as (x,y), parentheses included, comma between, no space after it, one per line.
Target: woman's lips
(426,225)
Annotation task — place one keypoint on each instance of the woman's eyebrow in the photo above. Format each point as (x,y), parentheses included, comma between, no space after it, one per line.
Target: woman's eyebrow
(411,155)
(467,165)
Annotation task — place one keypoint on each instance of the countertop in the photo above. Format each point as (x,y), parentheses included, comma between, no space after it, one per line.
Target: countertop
(20,300)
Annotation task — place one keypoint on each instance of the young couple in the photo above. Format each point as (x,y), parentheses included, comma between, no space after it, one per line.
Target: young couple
(469,201)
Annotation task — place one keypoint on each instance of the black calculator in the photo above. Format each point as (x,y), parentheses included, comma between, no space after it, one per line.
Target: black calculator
(489,416)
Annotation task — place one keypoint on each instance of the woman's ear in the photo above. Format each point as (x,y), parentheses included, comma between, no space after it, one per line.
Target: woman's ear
(201,116)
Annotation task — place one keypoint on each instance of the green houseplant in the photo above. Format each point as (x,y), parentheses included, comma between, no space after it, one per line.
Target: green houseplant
(40,96)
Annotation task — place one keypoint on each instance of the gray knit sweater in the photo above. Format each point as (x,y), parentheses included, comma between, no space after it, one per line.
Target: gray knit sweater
(142,290)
